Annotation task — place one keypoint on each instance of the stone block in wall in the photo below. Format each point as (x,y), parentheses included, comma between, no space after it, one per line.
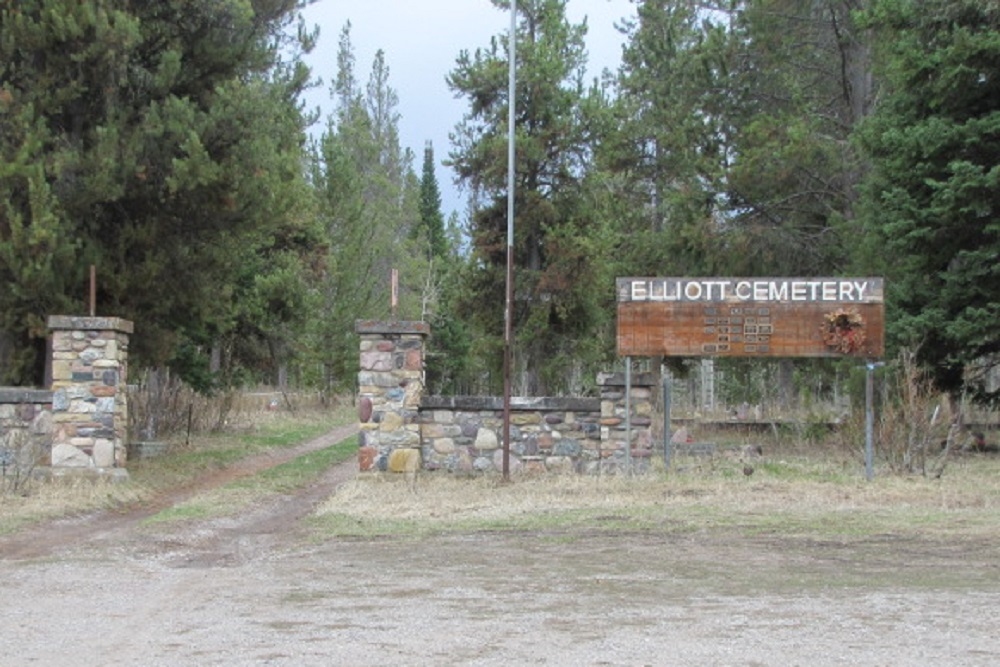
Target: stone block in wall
(433,430)
(487,439)
(445,446)
(524,418)
(364,409)
(533,465)
(377,380)
(366,458)
(103,453)
(513,462)
(413,393)
(397,439)
(559,465)
(567,447)
(376,361)
(413,360)
(41,424)
(78,324)
(390,421)
(406,459)
(66,455)
(441,416)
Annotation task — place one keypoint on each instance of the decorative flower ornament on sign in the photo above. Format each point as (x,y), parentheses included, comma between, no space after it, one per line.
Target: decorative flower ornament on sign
(844,330)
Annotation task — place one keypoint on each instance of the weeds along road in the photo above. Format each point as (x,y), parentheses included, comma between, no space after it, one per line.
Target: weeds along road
(108,528)
(261,588)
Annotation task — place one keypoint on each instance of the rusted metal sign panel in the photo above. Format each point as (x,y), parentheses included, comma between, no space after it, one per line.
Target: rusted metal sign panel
(751,317)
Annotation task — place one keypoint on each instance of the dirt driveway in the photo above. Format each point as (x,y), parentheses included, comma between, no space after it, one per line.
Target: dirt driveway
(257,590)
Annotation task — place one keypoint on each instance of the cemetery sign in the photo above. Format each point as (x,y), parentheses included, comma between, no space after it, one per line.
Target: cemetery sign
(748,317)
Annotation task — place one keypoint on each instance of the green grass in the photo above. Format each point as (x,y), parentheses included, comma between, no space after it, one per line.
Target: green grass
(218,451)
(286,434)
(244,492)
(299,471)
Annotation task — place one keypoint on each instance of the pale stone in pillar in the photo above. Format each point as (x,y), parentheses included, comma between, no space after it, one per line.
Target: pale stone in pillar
(404,460)
(68,456)
(414,390)
(391,421)
(104,453)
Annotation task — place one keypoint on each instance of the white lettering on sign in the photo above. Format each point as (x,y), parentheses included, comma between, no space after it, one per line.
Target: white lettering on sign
(833,290)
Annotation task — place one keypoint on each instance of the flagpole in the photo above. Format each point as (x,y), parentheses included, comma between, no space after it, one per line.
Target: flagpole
(509,302)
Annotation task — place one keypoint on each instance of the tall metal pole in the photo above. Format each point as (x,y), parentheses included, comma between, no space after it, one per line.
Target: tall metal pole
(508,310)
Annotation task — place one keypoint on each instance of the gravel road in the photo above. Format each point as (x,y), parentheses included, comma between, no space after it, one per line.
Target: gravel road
(260,590)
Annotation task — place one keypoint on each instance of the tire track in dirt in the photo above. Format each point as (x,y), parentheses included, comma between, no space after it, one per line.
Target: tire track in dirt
(218,541)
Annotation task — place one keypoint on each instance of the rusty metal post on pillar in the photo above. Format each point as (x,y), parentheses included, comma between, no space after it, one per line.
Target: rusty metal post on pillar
(93,290)
(393,292)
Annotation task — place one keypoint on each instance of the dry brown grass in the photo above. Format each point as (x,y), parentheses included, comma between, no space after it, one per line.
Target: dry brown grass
(804,495)
(41,501)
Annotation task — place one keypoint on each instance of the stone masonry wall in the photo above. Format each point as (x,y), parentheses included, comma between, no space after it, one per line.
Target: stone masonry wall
(25,430)
(89,403)
(400,428)
(464,433)
(585,435)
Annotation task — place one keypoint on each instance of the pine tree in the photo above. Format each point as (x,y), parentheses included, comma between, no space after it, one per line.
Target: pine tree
(161,142)
(431,217)
(556,286)
(932,202)
(672,142)
(803,81)
(733,141)
(368,202)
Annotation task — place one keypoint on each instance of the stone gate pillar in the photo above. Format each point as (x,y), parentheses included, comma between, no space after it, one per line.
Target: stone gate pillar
(390,386)
(89,399)
(634,430)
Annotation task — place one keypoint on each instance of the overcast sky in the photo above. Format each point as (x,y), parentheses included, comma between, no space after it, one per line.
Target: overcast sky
(421,40)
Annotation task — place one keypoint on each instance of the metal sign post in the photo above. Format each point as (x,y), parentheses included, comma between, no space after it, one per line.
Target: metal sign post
(628,415)
(870,419)
(667,435)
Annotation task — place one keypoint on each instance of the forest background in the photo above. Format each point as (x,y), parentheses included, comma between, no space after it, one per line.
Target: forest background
(167,144)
